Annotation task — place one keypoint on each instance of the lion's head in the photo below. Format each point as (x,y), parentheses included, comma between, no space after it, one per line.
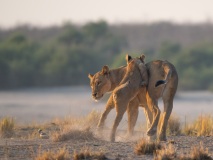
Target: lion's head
(134,63)
(140,59)
(100,83)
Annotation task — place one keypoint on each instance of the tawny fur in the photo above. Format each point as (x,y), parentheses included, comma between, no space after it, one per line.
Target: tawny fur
(147,97)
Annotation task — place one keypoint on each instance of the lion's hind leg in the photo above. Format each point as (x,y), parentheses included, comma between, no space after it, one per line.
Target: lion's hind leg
(168,97)
(153,106)
(168,105)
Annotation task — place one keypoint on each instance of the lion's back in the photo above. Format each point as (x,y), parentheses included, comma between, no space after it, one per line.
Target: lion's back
(158,70)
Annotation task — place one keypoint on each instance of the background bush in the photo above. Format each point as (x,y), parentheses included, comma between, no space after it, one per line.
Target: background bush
(64,55)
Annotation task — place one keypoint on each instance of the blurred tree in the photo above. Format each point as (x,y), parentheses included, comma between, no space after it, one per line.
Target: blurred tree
(195,67)
(169,50)
(95,30)
(31,56)
(70,35)
(16,59)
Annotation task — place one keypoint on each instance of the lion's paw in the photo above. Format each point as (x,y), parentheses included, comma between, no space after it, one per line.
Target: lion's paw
(162,137)
(151,132)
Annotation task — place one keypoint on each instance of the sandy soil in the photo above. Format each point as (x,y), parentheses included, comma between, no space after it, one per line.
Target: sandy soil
(29,106)
(17,148)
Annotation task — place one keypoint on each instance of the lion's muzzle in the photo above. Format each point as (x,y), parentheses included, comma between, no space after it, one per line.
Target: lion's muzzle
(96,96)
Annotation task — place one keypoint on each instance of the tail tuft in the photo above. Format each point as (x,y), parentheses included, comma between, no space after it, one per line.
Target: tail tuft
(160,82)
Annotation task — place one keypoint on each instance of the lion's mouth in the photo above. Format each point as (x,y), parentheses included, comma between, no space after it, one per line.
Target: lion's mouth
(97,97)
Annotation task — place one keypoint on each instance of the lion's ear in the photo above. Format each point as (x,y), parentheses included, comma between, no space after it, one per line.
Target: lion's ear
(142,58)
(90,76)
(128,58)
(105,70)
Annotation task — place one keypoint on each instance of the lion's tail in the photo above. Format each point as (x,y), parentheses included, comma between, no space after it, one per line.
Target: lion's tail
(160,82)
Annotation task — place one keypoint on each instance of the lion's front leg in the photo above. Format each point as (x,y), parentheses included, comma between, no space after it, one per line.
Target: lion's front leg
(149,116)
(121,102)
(108,108)
(118,118)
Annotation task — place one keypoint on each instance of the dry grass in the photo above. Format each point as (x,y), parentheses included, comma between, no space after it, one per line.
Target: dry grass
(65,135)
(173,127)
(7,127)
(30,131)
(60,129)
(89,155)
(76,128)
(169,153)
(81,128)
(202,126)
(62,154)
(144,147)
(56,127)
(90,120)
(197,153)
(189,130)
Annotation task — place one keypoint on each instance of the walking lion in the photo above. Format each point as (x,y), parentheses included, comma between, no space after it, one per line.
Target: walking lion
(128,93)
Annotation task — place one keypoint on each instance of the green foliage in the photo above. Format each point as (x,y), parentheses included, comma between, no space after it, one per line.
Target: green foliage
(95,30)
(169,50)
(195,68)
(65,55)
(64,59)
(16,61)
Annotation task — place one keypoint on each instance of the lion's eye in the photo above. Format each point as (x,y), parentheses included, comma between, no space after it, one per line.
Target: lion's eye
(98,83)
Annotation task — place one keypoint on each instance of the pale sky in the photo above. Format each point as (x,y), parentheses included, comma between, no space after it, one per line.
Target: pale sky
(56,12)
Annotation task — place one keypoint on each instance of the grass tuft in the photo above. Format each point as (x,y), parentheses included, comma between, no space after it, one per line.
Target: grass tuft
(189,130)
(173,127)
(87,154)
(202,126)
(65,135)
(144,147)
(199,152)
(169,153)
(76,128)
(62,154)
(196,153)
(7,127)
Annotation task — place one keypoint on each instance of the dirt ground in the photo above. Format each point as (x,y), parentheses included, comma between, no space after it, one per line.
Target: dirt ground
(17,148)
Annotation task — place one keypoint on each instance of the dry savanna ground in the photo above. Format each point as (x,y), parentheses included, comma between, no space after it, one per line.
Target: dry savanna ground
(76,138)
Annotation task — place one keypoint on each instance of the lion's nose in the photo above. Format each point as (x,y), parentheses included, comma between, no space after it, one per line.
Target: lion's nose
(94,94)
